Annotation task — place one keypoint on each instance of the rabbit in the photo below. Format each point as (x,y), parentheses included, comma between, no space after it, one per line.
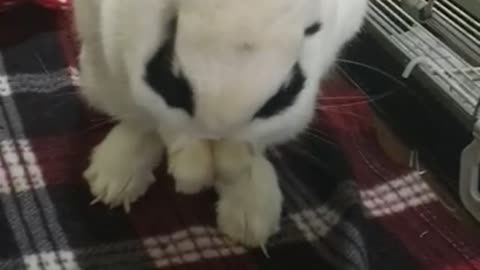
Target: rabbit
(211,83)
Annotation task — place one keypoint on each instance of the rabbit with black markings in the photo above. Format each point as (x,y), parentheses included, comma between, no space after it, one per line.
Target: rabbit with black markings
(212,83)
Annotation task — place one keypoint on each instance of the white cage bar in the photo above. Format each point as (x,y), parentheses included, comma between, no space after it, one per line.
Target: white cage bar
(450,73)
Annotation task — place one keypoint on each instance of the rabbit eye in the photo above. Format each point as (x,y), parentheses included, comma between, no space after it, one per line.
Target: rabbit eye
(285,97)
(313,29)
(168,81)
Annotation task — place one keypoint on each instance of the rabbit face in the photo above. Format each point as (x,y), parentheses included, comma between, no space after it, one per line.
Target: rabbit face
(220,69)
(222,74)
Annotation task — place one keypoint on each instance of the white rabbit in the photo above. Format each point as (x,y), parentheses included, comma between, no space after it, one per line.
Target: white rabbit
(215,82)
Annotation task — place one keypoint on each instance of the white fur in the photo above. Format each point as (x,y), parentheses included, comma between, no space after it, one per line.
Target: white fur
(191,164)
(250,202)
(121,167)
(229,83)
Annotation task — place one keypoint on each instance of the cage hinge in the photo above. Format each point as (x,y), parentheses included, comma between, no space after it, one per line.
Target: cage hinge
(469,172)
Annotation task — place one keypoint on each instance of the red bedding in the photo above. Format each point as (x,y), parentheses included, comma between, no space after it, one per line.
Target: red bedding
(56,4)
(348,205)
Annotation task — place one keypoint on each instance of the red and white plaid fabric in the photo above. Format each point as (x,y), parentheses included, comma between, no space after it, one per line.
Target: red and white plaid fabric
(348,206)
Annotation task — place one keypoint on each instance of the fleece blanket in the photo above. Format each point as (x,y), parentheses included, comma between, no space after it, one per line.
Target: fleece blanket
(347,205)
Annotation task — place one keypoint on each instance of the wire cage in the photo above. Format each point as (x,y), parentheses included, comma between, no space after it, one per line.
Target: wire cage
(439,42)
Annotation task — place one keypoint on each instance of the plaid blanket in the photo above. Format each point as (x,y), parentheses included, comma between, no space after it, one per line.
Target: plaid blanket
(348,206)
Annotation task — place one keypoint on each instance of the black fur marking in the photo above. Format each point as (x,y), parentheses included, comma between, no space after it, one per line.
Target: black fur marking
(313,29)
(285,97)
(174,88)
